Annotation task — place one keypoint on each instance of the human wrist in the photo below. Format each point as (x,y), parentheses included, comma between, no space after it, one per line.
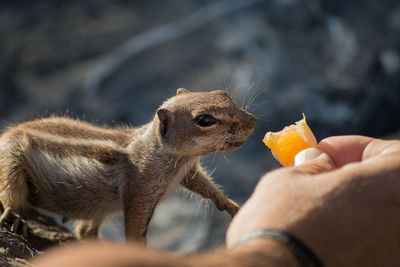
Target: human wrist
(264,252)
(300,251)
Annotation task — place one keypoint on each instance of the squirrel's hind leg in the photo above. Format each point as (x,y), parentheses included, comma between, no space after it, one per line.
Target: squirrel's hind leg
(88,229)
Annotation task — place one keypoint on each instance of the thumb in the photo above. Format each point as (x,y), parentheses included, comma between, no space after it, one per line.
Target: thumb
(312,161)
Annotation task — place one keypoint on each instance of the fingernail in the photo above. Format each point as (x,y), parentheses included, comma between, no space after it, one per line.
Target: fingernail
(306,155)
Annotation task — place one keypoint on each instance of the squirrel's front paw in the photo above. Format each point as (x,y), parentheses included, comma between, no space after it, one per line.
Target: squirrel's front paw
(232,207)
(223,203)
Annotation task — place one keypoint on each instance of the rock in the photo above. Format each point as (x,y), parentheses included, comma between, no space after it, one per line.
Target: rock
(390,60)
(14,249)
(43,232)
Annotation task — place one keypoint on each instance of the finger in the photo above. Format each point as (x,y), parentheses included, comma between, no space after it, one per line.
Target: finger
(381,147)
(345,149)
(312,161)
(306,155)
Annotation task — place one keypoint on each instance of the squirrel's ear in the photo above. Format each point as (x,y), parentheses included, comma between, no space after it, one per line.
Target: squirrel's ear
(165,116)
(181,91)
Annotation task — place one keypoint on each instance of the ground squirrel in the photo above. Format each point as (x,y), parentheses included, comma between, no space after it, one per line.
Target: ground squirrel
(85,172)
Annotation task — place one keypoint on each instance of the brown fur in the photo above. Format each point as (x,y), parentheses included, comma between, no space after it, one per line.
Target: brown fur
(85,172)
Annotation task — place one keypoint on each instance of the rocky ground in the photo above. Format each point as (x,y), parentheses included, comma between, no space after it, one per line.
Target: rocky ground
(115,61)
(41,232)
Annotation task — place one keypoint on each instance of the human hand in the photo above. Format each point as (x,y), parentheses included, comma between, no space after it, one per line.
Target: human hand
(345,206)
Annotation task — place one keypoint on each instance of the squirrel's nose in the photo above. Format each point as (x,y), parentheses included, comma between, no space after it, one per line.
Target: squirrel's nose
(251,120)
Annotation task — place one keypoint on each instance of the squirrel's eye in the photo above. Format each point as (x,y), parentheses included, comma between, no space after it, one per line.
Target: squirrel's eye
(205,120)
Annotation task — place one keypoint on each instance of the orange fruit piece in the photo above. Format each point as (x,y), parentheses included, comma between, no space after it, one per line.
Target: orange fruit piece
(291,140)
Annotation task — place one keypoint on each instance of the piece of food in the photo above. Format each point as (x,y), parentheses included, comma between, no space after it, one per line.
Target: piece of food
(291,140)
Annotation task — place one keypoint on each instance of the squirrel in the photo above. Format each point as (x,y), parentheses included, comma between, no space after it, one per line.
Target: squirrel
(84,172)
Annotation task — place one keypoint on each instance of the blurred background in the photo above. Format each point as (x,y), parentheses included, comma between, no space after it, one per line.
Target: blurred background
(115,61)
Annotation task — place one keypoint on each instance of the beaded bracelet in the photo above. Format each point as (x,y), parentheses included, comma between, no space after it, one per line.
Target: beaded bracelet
(303,254)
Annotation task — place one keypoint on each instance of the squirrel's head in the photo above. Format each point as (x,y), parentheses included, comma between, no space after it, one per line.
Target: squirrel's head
(200,123)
